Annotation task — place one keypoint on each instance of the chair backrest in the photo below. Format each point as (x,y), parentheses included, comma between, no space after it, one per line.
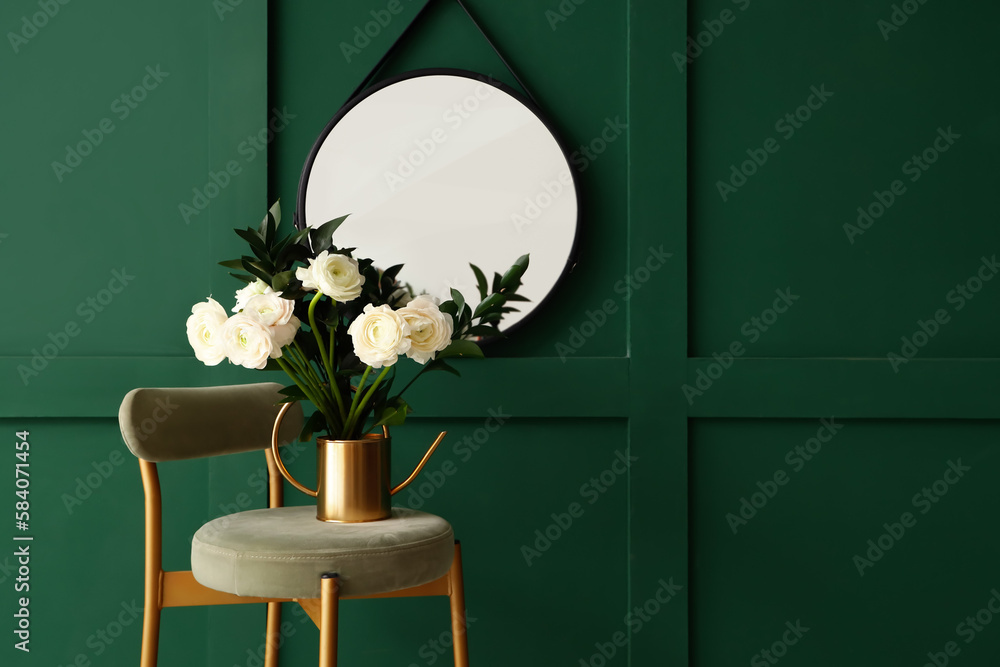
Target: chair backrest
(173,424)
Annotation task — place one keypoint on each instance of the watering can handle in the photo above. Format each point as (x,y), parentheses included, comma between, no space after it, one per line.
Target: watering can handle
(275,451)
(277,454)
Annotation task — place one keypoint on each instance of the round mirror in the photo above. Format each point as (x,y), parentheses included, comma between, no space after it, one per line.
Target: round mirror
(439,169)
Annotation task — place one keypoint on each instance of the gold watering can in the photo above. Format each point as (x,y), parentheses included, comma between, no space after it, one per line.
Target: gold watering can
(352,475)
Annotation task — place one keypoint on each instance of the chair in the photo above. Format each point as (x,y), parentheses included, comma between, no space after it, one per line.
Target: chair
(279,554)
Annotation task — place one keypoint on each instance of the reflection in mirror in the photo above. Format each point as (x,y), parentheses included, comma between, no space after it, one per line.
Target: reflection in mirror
(440,168)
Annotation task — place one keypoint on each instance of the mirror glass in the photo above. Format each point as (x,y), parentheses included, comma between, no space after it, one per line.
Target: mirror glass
(440,168)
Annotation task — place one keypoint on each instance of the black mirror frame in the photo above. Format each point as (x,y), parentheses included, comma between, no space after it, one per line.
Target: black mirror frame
(300,216)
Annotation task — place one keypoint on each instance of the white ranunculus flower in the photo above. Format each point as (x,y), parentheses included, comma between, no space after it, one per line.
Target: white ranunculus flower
(335,275)
(430,329)
(250,291)
(269,308)
(379,335)
(204,331)
(284,334)
(248,342)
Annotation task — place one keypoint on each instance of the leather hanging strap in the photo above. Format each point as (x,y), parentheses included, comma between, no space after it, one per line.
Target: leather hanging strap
(395,46)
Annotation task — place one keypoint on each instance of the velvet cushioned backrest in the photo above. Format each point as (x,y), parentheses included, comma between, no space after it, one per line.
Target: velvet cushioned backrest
(192,422)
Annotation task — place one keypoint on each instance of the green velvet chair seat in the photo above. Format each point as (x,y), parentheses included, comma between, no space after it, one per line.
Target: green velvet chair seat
(282,552)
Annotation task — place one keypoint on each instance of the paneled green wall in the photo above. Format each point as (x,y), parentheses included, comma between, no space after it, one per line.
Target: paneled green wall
(869,541)
(761,267)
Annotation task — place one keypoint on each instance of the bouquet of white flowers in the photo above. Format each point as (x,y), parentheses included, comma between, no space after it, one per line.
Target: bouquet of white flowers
(327,319)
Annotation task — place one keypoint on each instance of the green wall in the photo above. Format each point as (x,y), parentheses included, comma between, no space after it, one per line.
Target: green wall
(655,381)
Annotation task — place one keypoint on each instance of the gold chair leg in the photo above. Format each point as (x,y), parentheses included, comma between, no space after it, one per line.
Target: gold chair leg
(456,596)
(329,602)
(273,637)
(150,634)
(153,577)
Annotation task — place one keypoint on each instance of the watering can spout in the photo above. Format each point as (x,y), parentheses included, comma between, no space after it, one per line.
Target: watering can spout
(420,466)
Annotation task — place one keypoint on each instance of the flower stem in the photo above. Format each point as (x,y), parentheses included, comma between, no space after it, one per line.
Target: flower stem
(308,376)
(357,393)
(305,390)
(327,363)
(352,422)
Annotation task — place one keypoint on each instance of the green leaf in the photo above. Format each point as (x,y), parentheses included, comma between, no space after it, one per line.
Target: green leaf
(440,365)
(253,238)
(332,318)
(275,211)
(315,423)
(255,269)
(390,417)
(482,330)
(232,264)
(291,253)
(245,278)
(514,273)
(496,282)
(281,280)
(458,299)
(389,275)
(461,348)
(293,393)
(450,308)
(393,414)
(298,236)
(322,238)
(267,228)
(480,281)
(491,301)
